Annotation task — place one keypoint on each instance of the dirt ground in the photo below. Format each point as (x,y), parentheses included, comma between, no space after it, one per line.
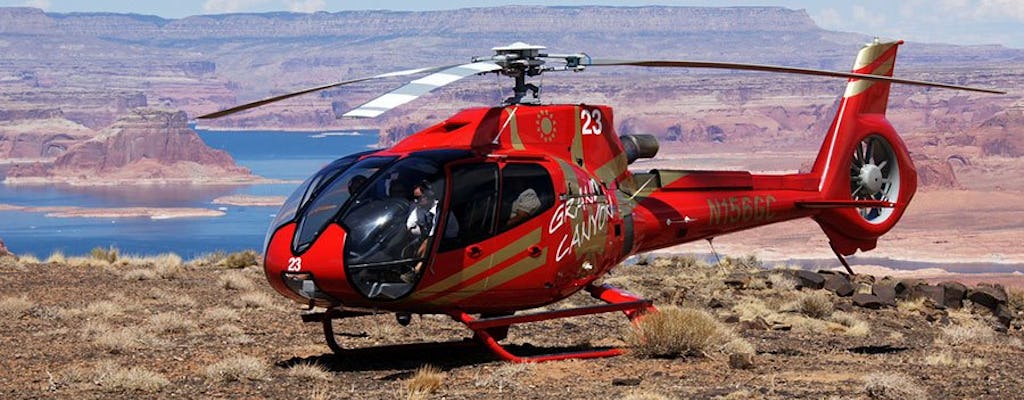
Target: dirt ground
(160,328)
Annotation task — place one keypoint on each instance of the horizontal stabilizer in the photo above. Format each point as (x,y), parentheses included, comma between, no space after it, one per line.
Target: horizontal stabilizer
(845,204)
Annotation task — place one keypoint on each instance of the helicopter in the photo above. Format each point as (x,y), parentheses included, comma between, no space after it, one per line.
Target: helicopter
(499,210)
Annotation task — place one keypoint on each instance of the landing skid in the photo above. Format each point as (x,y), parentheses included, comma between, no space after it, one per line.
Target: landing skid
(488,331)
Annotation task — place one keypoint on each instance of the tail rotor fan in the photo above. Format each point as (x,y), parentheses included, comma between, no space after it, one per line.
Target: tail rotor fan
(875,175)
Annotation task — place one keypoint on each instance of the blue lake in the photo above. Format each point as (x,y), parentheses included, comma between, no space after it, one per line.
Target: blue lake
(282,155)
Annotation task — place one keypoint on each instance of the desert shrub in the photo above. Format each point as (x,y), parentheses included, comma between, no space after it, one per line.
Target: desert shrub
(240,260)
(641,395)
(140,274)
(220,314)
(309,371)
(425,381)
(235,280)
(238,368)
(505,376)
(893,386)
(676,331)
(109,254)
(116,378)
(854,325)
(258,300)
(171,322)
(57,257)
(122,341)
(815,304)
(14,307)
(967,332)
(781,281)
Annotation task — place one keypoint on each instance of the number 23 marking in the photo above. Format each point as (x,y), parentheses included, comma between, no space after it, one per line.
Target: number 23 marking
(591,121)
(295,264)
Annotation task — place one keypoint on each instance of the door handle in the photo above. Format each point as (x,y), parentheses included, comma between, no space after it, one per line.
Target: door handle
(474,251)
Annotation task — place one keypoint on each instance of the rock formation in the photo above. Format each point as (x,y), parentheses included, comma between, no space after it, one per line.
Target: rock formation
(4,252)
(149,145)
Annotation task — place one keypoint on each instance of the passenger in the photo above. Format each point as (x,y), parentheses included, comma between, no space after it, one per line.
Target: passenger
(355,184)
(524,207)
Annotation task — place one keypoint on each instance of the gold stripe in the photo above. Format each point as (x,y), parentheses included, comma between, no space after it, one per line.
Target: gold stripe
(667,176)
(613,168)
(861,85)
(481,266)
(517,142)
(577,141)
(520,268)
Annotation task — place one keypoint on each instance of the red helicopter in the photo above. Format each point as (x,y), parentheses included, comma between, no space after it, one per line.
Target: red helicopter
(502,209)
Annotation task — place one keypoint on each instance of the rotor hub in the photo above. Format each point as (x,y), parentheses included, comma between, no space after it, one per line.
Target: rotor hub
(871,178)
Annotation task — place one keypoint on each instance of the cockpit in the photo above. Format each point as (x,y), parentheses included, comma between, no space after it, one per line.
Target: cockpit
(389,208)
(392,210)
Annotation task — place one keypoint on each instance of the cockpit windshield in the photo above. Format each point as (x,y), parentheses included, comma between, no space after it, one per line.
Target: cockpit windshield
(391,226)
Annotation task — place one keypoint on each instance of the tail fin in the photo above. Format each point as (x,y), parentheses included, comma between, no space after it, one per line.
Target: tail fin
(864,159)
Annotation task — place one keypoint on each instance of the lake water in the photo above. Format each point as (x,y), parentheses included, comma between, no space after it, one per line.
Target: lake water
(282,155)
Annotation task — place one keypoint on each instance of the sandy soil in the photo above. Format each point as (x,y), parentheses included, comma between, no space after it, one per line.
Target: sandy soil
(250,200)
(125,212)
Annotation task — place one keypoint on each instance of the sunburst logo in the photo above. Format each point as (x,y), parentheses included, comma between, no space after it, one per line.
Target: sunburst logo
(546,126)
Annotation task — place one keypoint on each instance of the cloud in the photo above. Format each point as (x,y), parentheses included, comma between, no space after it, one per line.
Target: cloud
(43,4)
(231,6)
(306,6)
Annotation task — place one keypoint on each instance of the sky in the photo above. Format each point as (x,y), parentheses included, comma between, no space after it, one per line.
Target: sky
(935,21)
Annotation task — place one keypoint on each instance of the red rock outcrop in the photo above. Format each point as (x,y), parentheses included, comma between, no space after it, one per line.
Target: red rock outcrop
(3,249)
(146,144)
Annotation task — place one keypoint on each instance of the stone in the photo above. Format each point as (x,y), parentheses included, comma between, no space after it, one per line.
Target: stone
(779,326)
(732,319)
(626,382)
(758,324)
(737,279)
(885,291)
(905,287)
(987,296)
(840,285)
(868,301)
(1003,314)
(808,279)
(715,303)
(934,293)
(955,292)
(741,361)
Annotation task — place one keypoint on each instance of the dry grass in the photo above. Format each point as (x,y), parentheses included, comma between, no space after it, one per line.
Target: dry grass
(116,378)
(854,325)
(947,359)
(426,380)
(781,281)
(966,332)
(15,307)
(238,368)
(171,298)
(140,274)
(893,386)
(221,314)
(235,280)
(506,376)
(310,371)
(28,259)
(57,257)
(98,309)
(171,322)
(238,260)
(256,300)
(642,395)
(108,255)
(816,304)
(123,340)
(676,331)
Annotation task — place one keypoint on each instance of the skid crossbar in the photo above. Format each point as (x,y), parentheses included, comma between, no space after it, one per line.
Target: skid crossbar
(488,331)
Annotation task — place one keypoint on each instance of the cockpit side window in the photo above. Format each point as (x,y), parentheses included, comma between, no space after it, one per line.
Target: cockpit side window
(473,205)
(526,191)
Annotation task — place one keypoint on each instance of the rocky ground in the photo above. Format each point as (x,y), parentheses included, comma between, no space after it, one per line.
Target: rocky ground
(111,326)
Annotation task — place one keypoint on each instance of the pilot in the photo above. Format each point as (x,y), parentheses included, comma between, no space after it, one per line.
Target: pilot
(356,183)
(421,223)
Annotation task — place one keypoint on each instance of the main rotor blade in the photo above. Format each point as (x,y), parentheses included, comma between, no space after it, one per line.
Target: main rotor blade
(269,100)
(782,69)
(419,87)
